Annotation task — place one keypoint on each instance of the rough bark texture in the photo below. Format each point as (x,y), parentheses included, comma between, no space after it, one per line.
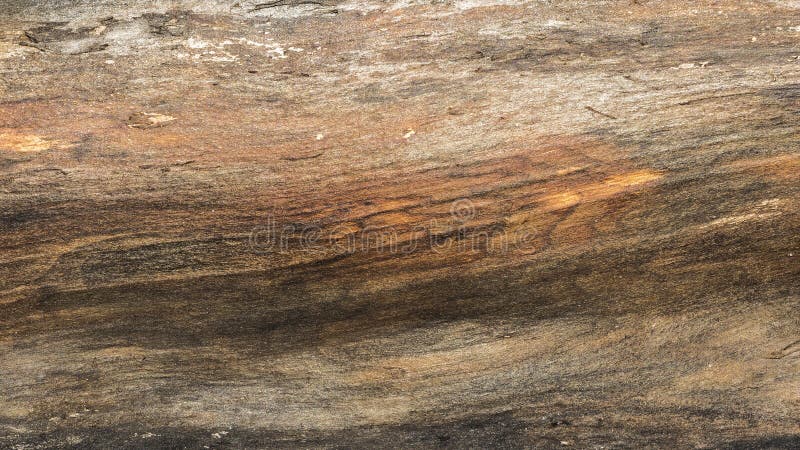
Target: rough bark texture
(626,175)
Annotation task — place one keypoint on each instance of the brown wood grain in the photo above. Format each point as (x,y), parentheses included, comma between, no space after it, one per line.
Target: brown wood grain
(467,224)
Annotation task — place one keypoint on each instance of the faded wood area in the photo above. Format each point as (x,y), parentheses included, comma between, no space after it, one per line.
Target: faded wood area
(466,224)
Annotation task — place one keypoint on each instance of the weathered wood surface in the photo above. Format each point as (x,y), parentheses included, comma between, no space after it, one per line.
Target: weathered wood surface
(628,170)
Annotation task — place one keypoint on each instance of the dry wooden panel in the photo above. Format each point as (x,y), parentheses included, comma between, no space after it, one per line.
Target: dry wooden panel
(466,224)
